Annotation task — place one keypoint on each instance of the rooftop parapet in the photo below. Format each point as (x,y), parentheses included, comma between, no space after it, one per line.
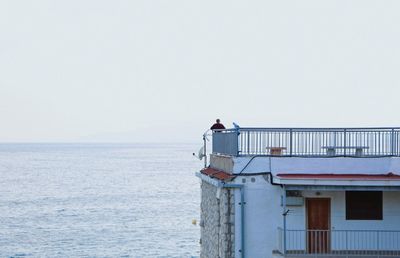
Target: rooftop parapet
(308,142)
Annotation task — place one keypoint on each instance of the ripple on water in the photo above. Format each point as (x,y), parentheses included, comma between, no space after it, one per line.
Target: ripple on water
(98,200)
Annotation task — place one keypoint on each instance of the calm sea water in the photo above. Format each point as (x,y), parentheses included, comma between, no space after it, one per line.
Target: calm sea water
(98,200)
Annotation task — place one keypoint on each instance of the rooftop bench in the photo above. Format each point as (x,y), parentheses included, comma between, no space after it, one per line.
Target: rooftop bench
(331,150)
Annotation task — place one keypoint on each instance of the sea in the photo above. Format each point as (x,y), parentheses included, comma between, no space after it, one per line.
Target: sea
(99,200)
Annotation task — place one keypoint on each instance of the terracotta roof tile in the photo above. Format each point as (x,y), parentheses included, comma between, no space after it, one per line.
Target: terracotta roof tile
(389,176)
(218,174)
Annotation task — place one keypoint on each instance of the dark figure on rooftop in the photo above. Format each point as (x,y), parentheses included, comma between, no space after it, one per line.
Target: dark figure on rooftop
(217,125)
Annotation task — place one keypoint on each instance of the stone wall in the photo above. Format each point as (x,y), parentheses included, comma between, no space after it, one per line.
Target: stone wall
(217,222)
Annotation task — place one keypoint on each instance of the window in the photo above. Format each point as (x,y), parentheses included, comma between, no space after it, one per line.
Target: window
(363,205)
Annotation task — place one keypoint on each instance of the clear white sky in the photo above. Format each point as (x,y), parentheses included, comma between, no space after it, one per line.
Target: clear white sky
(164,70)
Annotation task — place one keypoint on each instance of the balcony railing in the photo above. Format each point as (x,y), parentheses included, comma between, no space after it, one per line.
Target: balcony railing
(357,243)
(308,141)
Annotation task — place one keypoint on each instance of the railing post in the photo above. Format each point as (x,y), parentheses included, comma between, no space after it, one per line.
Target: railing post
(248,142)
(205,149)
(377,240)
(291,141)
(238,140)
(344,143)
(392,142)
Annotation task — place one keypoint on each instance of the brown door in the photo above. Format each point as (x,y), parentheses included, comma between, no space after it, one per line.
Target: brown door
(318,224)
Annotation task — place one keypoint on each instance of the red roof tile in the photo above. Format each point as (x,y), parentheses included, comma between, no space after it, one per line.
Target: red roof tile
(218,174)
(389,176)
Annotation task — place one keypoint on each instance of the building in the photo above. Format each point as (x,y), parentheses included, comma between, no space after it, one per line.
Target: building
(301,192)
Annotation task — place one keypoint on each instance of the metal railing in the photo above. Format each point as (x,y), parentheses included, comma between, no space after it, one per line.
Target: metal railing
(308,141)
(361,243)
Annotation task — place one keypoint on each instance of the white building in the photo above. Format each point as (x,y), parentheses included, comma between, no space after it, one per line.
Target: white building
(302,192)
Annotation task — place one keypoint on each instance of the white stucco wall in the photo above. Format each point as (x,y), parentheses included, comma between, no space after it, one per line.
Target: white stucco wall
(362,240)
(263,215)
(307,165)
(391,213)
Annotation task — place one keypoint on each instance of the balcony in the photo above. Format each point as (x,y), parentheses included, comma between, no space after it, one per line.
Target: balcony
(338,243)
(304,142)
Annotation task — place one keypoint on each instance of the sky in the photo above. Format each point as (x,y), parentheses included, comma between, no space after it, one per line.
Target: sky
(163,71)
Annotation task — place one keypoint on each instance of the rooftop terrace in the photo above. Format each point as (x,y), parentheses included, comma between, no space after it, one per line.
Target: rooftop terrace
(307,142)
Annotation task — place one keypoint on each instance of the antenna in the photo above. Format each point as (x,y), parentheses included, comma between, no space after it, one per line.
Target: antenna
(200,154)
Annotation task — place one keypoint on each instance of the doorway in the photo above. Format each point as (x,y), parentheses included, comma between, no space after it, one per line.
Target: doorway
(318,224)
